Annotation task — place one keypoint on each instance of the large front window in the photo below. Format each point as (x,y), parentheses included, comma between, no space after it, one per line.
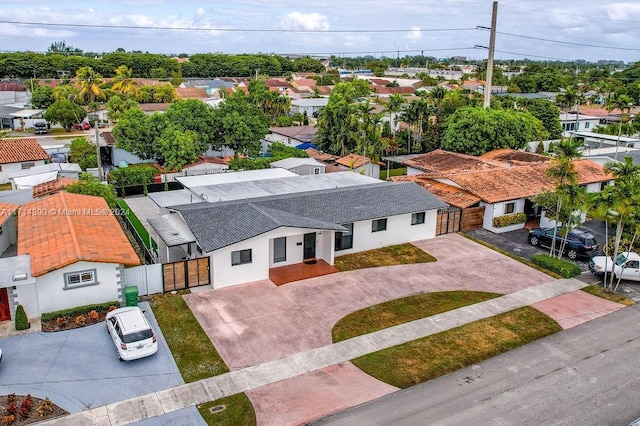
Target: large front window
(344,240)
(80,279)
(378,225)
(509,208)
(240,257)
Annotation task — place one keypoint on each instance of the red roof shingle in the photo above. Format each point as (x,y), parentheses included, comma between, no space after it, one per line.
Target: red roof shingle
(21,150)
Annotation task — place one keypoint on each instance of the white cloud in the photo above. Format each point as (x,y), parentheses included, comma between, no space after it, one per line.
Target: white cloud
(309,21)
(356,41)
(415,34)
(623,11)
(200,11)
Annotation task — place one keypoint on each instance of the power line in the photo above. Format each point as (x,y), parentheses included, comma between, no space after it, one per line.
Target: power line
(568,42)
(550,12)
(372,52)
(265,30)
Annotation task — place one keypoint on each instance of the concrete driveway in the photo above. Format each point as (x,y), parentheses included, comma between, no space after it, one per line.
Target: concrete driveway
(79,369)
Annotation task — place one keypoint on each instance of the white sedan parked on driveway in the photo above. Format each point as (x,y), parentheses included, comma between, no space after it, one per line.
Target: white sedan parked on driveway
(627,266)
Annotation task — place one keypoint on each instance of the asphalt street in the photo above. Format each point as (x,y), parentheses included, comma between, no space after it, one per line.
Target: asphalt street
(587,375)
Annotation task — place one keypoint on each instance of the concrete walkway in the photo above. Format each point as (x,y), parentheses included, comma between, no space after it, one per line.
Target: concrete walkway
(213,388)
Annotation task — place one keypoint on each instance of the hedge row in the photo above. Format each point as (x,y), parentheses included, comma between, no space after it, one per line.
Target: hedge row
(78,310)
(561,267)
(510,219)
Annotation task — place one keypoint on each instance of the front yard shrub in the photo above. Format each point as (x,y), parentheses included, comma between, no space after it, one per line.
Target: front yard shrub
(510,219)
(136,174)
(22,323)
(79,310)
(561,267)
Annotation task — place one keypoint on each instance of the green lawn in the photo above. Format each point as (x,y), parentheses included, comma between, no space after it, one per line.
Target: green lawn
(393,172)
(596,290)
(400,254)
(197,358)
(406,309)
(142,231)
(439,354)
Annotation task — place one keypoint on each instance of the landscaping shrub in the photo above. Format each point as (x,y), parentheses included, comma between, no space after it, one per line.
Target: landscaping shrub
(22,323)
(79,310)
(510,219)
(139,174)
(561,267)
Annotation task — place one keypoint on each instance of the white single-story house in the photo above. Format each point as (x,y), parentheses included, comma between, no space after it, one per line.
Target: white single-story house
(309,105)
(504,181)
(45,173)
(77,253)
(25,118)
(575,122)
(291,135)
(300,166)
(245,238)
(20,154)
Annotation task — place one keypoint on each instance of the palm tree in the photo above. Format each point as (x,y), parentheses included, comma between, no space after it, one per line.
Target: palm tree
(123,82)
(564,173)
(621,102)
(90,82)
(600,206)
(393,106)
(625,197)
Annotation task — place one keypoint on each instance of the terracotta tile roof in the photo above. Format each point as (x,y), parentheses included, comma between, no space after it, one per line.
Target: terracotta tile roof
(151,107)
(65,228)
(52,186)
(498,185)
(450,194)
(440,162)
(276,82)
(379,81)
(191,93)
(515,157)
(12,87)
(304,82)
(324,90)
(21,150)
(353,161)
(6,210)
(320,156)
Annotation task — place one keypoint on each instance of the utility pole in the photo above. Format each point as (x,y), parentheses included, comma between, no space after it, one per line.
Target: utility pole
(492,46)
(100,173)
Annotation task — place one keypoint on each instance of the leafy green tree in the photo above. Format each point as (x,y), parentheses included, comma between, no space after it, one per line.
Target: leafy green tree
(194,115)
(117,105)
(475,131)
(252,124)
(65,91)
(177,147)
(89,185)
(132,133)
(600,206)
(308,64)
(42,97)
(83,153)
(548,113)
(65,113)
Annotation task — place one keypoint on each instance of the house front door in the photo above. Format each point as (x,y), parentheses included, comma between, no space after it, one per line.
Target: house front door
(5,311)
(309,246)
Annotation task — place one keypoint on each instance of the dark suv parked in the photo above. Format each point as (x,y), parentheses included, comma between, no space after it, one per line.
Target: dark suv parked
(580,242)
(40,127)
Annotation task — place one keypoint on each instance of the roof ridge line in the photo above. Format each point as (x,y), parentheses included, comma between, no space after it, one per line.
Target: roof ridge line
(260,209)
(72,230)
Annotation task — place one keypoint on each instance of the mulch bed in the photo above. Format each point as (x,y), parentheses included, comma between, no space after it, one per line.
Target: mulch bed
(19,413)
(71,322)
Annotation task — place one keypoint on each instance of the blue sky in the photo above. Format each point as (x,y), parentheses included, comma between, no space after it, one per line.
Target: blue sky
(600,29)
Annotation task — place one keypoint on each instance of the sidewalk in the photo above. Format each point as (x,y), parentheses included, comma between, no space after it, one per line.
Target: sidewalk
(210,389)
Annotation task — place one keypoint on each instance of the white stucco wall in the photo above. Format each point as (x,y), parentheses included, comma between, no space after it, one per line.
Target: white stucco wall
(7,169)
(8,235)
(399,231)
(52,295)
(413,171)
(496,210)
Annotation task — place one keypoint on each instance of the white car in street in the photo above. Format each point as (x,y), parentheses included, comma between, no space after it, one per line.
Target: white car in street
(131,333)
(627,266)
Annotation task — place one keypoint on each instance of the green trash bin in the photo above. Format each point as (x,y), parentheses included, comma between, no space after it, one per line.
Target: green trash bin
(131,296)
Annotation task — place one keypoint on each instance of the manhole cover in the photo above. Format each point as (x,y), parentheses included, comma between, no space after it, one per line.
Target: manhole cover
(217,409)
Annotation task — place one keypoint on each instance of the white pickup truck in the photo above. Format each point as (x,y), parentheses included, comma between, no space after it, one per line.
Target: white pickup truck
(627,266)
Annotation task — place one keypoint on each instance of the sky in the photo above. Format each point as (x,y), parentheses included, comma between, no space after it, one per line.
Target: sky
(539,30)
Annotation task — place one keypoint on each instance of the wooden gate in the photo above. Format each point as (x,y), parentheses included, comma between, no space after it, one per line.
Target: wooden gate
(448,220)
(472,218)
(185,274)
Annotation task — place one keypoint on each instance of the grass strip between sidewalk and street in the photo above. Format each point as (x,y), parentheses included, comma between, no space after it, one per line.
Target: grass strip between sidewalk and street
(442,353)
(401,254)
(511,255)
(403,310)
(597,290)
(197,358)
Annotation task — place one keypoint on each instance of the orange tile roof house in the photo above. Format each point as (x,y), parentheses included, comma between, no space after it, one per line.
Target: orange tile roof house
(20,154)
(78,252)
(503,181)
(361,164)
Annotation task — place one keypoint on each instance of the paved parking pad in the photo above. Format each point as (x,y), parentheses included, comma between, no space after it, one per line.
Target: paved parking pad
(575,308)
(79,369)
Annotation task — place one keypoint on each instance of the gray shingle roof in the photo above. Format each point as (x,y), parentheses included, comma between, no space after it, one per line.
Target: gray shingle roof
(217,225)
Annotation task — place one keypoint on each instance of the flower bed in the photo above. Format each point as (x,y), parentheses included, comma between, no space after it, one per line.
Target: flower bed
(23,410)
(73,321)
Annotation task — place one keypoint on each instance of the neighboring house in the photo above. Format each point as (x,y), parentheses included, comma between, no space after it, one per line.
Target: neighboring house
(77,250)
(20,154)
(504,181)
(311,106)
(7,225)
(51,187)
(245,238)
(573,122)
(300,166)
(291,135)
(25,118)
(321,156)
(42,174)
(205,165)
(360,164)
